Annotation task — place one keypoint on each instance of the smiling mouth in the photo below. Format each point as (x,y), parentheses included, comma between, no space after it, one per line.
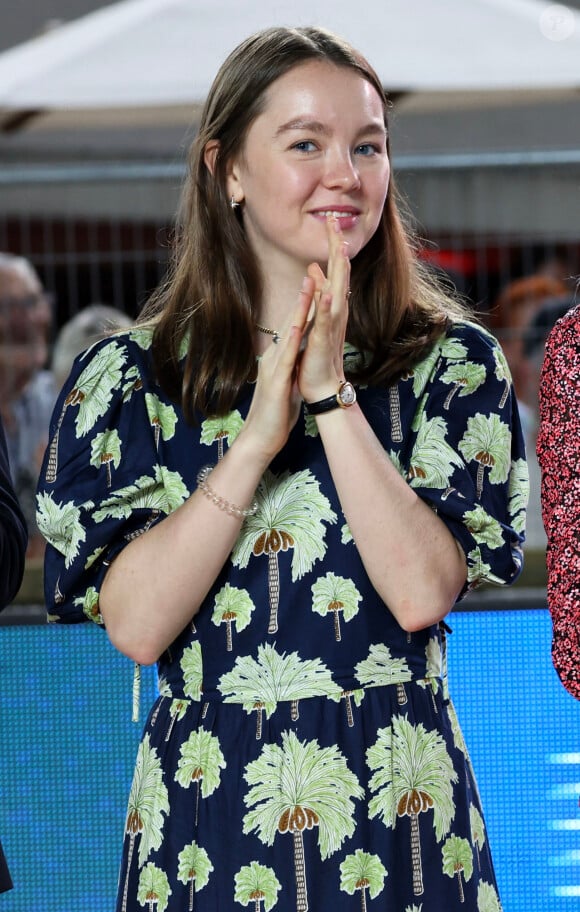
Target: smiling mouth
(336,213)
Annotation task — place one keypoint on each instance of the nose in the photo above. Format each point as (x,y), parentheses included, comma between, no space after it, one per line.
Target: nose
(341,172)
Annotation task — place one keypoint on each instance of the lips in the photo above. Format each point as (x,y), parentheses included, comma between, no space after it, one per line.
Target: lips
(347,216)
(337,212)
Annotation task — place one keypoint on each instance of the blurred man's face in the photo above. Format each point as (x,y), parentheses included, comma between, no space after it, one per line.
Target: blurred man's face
(25,319)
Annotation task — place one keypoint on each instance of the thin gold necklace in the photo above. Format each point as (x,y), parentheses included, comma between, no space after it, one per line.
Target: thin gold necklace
(269,332)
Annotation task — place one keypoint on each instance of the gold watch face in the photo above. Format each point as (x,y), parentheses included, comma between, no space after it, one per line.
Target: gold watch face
(347,394)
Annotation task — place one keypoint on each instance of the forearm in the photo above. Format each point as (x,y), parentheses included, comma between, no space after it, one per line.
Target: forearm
(157,583)
(409,554)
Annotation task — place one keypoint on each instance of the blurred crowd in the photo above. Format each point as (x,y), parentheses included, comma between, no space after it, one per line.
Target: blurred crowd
(34,363)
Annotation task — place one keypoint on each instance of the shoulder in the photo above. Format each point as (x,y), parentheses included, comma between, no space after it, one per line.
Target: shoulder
(472,340)
(120,352)
(465,342)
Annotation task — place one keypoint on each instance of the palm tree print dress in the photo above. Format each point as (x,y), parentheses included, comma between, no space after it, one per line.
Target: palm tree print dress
(303,753)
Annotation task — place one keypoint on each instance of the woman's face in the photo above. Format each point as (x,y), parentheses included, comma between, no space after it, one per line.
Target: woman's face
(317,148)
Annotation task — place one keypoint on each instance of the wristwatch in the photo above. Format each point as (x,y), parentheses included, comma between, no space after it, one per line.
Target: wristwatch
(344,398)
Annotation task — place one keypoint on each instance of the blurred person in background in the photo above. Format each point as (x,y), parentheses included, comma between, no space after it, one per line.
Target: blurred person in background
(27,388)
(89,325)
(13,541)
(513,312)
(558,451)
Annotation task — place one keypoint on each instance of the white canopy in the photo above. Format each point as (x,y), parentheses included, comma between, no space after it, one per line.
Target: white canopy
(144,54)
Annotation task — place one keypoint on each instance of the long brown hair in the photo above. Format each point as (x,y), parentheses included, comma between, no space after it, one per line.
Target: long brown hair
(211,296)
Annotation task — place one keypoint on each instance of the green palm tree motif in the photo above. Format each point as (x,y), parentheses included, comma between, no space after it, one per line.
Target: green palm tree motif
(477,831)
(332,594)
(164,492)
(458,739)
(295,788)
(519,491)
(487,898)
(487,440)
(502,373)
(192,668)
(255,883)
(452,349)
(362,871)
(466,377)
(200,761)
(478,570)
(448,349)
(220,429)
(413,775)
(90,605)
(177,710)
(291,513)
(260,684)
(194,868)
(61,526)
(163,418)
(235,606)
(91,395)
(153,890)
(132,382)
(310,426)
(346,534)
(433,459)
(380,669)
(486,530)
(432,677)
(348,696)
(106,449)
(458,860)
(142,336)
(148,801)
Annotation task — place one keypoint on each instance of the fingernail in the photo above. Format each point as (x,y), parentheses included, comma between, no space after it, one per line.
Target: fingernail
(304,283)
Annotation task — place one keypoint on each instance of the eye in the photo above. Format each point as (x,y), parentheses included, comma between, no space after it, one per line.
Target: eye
(305,145)
(367,149)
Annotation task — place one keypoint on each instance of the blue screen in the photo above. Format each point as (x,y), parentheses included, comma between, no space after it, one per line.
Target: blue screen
(68,747)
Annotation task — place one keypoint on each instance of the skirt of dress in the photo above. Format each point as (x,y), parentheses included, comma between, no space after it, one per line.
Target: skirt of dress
(367,801)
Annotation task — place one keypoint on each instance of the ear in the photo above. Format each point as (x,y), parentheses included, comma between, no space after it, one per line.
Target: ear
(210,154)
(234,184)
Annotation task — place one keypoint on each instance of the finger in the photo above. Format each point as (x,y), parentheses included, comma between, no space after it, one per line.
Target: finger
(338,265)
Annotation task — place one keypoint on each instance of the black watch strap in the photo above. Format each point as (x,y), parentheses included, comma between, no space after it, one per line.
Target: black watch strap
(345,397)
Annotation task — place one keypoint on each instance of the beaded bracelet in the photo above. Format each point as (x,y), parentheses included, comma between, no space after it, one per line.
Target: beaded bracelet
(220,502)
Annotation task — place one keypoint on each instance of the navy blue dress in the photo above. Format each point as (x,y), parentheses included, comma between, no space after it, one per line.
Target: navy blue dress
(303,752)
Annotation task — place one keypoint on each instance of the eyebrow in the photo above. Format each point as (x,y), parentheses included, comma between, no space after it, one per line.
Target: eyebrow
(314,126)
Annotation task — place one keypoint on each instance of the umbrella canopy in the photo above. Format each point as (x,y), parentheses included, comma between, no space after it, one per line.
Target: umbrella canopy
(153,54)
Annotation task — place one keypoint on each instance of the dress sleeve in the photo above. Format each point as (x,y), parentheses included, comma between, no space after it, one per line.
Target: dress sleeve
(558,450)
(468,458)
(101,483)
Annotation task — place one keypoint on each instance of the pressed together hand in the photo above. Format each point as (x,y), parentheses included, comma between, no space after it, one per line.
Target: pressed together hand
(307,362)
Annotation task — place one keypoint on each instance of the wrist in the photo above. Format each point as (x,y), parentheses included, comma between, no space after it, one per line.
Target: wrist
(343,396)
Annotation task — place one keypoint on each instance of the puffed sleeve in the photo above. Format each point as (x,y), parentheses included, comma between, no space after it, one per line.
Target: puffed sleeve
(101,482)
(468,456)
(13,534)
(558,448)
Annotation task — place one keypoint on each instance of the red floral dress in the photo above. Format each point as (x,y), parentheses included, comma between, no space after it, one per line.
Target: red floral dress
(559,456)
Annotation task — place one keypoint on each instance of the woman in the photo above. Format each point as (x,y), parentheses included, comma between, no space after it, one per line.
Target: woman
(557,449)
(292,594)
